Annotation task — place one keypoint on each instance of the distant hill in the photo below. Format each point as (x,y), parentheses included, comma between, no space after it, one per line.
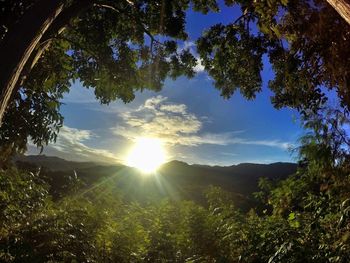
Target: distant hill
(50,162)
(175,179)
(241,178)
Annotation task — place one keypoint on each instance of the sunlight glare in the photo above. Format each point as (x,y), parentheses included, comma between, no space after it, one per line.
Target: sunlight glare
(147,155)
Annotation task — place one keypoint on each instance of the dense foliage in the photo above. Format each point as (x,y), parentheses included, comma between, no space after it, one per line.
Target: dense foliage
(305,218)
(306,42)
(108,46)
(119,47)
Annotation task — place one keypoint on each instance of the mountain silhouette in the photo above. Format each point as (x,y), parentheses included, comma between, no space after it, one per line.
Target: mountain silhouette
(175,179)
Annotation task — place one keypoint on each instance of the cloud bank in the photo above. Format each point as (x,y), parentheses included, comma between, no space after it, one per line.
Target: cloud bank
(156,117)
(175,125)
(70,145)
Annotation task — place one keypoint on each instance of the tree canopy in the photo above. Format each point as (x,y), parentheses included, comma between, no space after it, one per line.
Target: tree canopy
(108,46)
(119,47)
(305,42)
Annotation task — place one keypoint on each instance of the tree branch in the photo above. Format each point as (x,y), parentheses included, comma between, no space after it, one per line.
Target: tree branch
(146,31)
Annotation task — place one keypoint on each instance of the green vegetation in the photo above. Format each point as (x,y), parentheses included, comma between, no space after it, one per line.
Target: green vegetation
(174,180)
(304,218)
(59,217)
(93,41)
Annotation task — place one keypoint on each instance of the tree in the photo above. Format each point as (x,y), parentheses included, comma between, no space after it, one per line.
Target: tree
(342,7)
(17,45)
(118,47)
(306,43)
(109,45)
(30,27)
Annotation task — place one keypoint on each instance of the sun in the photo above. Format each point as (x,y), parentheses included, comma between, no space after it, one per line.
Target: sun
(147,155)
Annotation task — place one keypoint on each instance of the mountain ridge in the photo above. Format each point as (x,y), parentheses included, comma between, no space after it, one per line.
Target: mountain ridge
(241,178)
(46,159)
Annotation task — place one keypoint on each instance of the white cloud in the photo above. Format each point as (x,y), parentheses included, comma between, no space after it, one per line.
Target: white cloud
(179,108)
(157,118)
(171,122)
(199,67)
(271,143)
(70,145)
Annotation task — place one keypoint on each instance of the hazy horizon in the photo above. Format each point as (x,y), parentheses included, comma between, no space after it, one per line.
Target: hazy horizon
(166,162)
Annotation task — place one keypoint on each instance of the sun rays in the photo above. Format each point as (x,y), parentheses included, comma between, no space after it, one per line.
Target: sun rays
(147,155)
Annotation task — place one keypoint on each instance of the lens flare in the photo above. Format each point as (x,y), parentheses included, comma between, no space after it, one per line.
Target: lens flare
(147,155)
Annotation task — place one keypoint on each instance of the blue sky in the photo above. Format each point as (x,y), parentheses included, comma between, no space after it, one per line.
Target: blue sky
(196,123)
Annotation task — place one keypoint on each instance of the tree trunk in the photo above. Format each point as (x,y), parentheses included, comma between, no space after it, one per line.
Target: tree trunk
(56,28)
(342,7)
(19,43)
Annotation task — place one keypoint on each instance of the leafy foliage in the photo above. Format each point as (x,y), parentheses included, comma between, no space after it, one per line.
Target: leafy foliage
(305,218)
(120,47)
(308,53)
(112,47)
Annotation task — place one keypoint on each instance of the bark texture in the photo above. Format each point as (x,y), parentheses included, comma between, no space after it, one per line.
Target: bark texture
(57,27)
(19,43)
(342,7)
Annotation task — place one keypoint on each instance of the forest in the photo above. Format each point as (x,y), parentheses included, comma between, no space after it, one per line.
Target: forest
(54,210)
